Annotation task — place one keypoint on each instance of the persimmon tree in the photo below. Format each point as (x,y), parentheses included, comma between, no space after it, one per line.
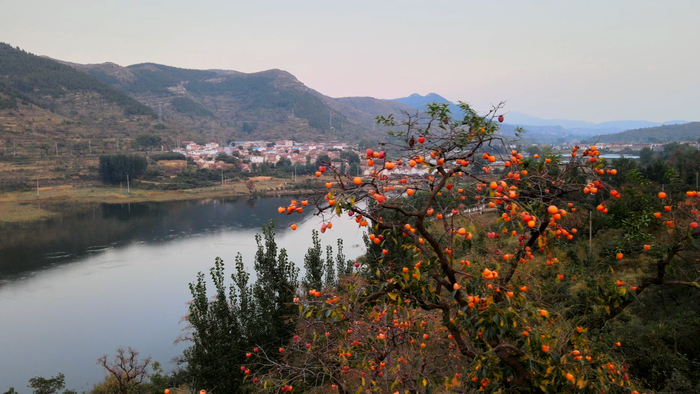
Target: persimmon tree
(477,277)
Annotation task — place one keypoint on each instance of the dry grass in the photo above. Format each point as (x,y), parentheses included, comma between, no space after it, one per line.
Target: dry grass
(14,212)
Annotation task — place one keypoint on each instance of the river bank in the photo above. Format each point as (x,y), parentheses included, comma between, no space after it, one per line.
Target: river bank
(16,207)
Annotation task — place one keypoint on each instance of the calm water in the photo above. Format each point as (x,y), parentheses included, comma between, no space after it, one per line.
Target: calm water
(76,287)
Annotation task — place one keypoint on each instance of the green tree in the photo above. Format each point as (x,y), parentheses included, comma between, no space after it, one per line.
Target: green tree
(646,155)
(350,157)
(116,168)
(323,160)
(48,386)
(146,141)
(240,317)
(313,265)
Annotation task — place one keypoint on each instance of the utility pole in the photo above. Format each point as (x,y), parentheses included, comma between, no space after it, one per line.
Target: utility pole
(128,188)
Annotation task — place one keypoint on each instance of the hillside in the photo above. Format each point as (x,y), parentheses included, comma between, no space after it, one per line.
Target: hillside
(62,104)
(51,108)
(40,81)
(228,105)
(660,134)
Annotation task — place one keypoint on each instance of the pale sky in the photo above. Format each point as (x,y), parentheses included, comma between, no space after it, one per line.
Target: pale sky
(584,60)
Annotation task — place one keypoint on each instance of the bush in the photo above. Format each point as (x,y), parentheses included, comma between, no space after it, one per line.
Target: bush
(169,156)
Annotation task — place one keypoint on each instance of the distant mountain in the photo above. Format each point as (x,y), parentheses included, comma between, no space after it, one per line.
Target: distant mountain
(519,119)
(366,109)
(544,130)
(659,134)
(421,102)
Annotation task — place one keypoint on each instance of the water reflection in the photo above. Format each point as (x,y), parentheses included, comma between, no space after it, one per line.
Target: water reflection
(82,230)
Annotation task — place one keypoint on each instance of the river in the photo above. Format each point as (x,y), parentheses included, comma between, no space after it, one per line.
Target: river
(75,287)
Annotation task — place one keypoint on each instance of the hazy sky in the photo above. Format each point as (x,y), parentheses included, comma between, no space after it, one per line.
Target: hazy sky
(585,60)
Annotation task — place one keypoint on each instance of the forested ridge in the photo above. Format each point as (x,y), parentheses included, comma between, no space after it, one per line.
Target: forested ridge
(40,79)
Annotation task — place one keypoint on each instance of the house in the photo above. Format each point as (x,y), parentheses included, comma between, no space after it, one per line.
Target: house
(285,143)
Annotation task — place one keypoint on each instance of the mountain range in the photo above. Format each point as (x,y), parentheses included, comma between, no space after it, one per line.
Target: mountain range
(43,99)
(560,130)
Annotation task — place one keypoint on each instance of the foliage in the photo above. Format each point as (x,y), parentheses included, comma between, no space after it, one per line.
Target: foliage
(146,141)
(169,156)
(239,317)
(116,168)
(227,159)
(48,386)
(313,265)
(320,273)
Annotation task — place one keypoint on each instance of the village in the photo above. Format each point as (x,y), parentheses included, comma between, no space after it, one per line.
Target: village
(259,152)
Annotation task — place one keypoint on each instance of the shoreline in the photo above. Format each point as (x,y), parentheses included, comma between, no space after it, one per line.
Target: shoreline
(22,207)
